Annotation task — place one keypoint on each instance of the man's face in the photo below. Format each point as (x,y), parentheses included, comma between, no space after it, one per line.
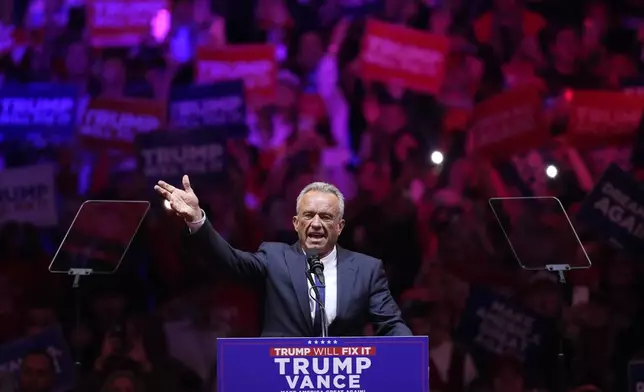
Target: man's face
(318,222)
(36,374)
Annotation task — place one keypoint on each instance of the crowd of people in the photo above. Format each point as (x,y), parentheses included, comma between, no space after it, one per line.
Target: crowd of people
(153,324)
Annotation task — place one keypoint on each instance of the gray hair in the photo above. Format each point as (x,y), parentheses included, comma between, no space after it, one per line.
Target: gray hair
(323,187)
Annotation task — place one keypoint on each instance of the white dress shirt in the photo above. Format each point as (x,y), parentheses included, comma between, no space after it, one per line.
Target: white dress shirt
(330,263)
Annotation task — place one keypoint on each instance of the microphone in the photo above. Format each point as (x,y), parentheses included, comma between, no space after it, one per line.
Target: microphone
(315,265)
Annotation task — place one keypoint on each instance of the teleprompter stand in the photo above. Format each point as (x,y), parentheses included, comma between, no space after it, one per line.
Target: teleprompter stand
(540,235)
(96,242)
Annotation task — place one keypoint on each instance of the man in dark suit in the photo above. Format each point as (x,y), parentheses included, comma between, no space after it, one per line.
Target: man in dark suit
(356,289)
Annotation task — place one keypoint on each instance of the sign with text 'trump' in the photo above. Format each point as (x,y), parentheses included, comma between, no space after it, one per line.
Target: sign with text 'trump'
(349,364)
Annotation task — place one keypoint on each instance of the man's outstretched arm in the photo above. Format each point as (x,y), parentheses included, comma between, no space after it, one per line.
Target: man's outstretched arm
(185,203)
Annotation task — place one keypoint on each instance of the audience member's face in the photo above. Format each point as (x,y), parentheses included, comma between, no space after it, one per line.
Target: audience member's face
(544,301)
(77,60)
(113,72)
(619,67)
(285,97)
(392,118)
(109,309)
(36,374)
(318,222)
(566,47)
(310,51)
(40,318)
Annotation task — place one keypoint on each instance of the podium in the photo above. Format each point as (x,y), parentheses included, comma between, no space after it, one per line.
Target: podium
(340,364)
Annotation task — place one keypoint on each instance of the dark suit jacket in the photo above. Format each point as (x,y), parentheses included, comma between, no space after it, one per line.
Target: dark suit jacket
(363,292)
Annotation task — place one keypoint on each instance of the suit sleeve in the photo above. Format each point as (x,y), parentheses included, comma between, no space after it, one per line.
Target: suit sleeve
(383,311)
(215,248)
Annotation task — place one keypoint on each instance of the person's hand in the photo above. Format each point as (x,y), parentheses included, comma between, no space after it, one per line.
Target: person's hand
(183,202)
(108,348)
(138,355)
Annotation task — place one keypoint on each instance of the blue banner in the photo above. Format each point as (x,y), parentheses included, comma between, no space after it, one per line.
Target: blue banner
(369,364)
(168,155)
(494,326)
(211,105)
(636,376)
(614,210)
(44,109)
(50,340)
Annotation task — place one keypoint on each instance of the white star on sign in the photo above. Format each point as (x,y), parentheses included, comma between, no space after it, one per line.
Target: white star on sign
(316,342)
(328,342)
(309,342)
(335,342)
(321,341)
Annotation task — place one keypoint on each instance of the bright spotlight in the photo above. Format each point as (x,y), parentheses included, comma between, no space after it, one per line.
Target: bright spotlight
(551,171)
(437,157)
(167,205)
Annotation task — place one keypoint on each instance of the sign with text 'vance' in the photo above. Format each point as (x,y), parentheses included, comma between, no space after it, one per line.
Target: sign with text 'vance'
(348,364)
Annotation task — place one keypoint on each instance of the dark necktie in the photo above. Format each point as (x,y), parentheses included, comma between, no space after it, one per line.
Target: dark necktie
(317,321)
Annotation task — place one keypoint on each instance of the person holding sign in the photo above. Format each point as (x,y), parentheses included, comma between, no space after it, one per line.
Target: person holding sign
(356,290)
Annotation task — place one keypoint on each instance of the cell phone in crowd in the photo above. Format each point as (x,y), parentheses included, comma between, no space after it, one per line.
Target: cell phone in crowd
(160,25)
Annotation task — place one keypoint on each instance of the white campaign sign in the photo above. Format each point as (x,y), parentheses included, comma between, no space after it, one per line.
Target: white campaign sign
(28,194)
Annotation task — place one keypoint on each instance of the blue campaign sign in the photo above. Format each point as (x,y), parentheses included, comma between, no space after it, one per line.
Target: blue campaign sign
(614,210)
(219,104)
(636,376)
(50,340)
(348,364)
(45,109)
(494,326)
(168,155)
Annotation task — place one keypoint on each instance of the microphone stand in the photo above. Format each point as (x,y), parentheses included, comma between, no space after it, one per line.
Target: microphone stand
(561,379)
(318,301)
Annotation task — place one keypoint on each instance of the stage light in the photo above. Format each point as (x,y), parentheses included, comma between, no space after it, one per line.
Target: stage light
(437,157)
(167,205)
(551,171)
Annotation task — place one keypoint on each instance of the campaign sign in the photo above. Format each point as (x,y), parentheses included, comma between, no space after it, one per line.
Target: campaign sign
(614,210)
(349,364)
(120,23)
(507,124)
(255,64)
(52,341)
(27,194)
(167,156)
(209,105)
(406,57)
(114,123)
(495,326)
(600,118)
(636,376)
(49,109)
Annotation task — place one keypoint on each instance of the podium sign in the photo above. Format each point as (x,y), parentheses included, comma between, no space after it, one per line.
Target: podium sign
(347,364)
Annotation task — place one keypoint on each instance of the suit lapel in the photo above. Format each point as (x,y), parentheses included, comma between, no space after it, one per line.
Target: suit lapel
(346,280)
(296,263)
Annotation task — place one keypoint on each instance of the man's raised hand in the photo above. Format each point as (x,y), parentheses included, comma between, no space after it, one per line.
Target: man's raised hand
(183,202)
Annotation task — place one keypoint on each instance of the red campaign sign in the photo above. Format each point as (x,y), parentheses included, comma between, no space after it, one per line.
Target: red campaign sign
(114,123)
(254,64)
(600,118)
(507,124)
(406,57)
(120,23)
